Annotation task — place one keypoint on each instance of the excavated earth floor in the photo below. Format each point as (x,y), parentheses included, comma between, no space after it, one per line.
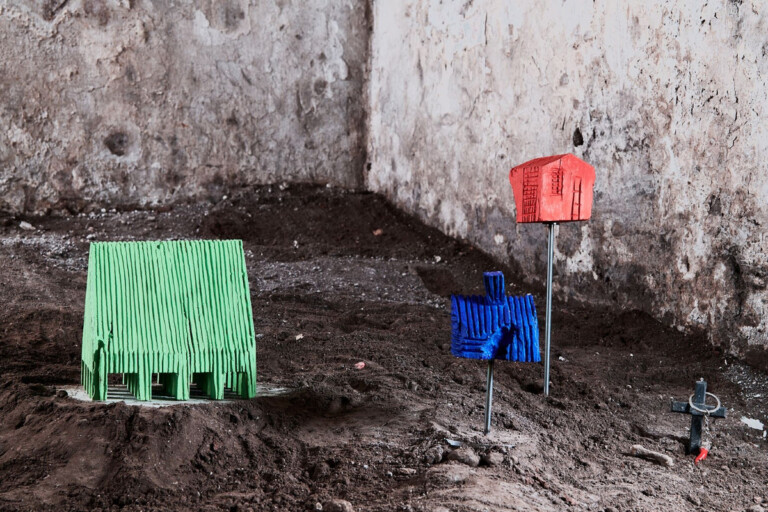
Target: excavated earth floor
(337,279)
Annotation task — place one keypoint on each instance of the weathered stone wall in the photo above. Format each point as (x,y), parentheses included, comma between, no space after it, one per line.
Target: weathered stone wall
(109,102)
(666,98)
(139,101)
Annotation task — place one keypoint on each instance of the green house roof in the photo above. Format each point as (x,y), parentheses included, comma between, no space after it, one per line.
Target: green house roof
(178,308)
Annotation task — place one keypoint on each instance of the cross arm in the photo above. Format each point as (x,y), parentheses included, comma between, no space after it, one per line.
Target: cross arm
(685,407)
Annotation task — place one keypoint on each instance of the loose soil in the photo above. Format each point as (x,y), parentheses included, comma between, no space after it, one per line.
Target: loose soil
(330,290)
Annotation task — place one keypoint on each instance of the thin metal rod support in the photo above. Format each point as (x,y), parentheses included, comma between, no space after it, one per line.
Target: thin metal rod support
(488,397)
(548,328)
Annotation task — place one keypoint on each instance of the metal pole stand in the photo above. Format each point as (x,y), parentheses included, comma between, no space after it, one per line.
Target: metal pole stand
(548,328)
(488,397)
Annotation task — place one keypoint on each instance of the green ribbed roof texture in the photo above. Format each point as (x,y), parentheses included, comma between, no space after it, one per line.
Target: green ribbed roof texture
(180,309)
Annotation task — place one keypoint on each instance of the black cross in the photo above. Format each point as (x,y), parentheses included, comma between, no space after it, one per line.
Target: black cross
(699,397)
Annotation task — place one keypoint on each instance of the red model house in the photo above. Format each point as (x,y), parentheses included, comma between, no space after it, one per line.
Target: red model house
(553,189)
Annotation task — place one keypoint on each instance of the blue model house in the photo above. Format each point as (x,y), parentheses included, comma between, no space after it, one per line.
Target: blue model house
(495,326)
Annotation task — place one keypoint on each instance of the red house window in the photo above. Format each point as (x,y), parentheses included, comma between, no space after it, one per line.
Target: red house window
(530,192)
(557,182)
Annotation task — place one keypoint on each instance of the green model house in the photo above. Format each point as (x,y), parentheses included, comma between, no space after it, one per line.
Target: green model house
(181,309)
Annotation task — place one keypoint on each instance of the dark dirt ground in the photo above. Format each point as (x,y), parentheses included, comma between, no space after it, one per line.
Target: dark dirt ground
(374,437)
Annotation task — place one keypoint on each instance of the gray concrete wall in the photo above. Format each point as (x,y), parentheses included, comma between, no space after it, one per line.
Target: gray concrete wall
(666,98)
(139,101)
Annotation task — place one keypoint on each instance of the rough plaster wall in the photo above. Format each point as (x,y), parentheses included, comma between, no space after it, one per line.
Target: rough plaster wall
(667,99)
(139,101)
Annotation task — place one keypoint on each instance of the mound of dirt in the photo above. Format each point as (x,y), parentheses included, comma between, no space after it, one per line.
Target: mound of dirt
(337,279)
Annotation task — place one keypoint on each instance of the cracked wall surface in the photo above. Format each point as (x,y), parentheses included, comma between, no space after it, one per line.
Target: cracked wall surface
(124,102)
(667,99)
(144,102)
